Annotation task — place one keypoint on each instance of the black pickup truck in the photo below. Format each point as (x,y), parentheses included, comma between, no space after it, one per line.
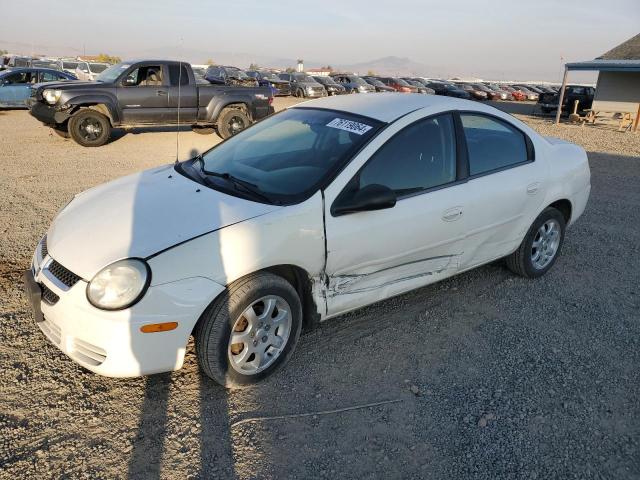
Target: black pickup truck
(144,93)
(549,101)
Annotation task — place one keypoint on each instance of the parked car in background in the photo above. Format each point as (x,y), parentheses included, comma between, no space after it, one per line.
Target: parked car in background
(419,85)
(353,83)
(492,94)
(330,85)
(398,84)
(44,63)
(379,86)
(303,85)
(139,93)
(531,96)
(16,61)
(67,65)
(584,95)
(475,93)
(448,89)
(323,208)
(227,75)
(516,94)
(281,87)
(15,84)
(88,71)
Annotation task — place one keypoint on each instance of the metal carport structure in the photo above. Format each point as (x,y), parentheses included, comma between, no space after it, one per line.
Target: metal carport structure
(631,67)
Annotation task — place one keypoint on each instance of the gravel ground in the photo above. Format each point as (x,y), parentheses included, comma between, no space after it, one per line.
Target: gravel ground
(494,376)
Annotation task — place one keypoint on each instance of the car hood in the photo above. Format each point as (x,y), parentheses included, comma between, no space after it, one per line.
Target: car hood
(139,216)
(71,85)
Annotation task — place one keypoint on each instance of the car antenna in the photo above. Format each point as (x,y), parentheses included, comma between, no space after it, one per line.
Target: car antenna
(179,97)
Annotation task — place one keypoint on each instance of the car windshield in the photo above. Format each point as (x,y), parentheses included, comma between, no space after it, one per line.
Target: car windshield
(303,77)
(402,83)
(69,65)
(375,82)
(359,81)
(97,67)
(270,76)
(286,156)
(112,73)
(237,73)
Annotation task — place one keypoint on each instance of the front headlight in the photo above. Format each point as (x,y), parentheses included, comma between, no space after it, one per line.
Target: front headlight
(51,96)
(119,285)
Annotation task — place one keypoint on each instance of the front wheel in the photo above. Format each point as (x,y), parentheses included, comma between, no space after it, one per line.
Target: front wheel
(541,245)
(250,331)
(89,128)
(232,121)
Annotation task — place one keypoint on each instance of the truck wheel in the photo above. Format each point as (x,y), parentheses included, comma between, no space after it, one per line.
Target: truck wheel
(89,128)
(249,331)
(232,121)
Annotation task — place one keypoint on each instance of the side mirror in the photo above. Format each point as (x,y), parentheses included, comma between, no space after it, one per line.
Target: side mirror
(129,82)
(369,198)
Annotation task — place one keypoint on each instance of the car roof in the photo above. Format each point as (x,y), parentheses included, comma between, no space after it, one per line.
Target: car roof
(387,107)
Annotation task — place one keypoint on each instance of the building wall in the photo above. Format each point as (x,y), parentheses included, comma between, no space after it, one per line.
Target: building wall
(617,92)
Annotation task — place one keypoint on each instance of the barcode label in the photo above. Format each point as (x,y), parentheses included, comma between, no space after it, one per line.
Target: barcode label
(349,126)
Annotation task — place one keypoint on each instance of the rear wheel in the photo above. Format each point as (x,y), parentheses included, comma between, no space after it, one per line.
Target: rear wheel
(89,128)
(541,246)
(249,331)
(232,121)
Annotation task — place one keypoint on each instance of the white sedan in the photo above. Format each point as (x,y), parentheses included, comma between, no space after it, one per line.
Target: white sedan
(323,208)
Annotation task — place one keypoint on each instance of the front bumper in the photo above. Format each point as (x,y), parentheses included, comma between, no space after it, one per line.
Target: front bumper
(110,343)
(46,113)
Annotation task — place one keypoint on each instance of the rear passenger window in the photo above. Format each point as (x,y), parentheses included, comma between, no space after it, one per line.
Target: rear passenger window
(175,75)
(492,144)
(420,157)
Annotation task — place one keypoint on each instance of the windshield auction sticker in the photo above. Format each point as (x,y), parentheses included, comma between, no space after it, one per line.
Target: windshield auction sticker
(349,126)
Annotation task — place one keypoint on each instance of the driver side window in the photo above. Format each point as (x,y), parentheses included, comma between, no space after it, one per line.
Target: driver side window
(420,157)
(149,75)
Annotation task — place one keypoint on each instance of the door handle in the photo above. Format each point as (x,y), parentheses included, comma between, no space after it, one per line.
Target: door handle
(533,188)
(452,214)
(160,93)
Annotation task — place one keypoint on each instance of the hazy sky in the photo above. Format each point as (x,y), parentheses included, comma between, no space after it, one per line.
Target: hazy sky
(511,38)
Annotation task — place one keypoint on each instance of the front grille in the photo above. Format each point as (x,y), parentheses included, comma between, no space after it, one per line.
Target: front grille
(43,247)
(48,296)
(64,275)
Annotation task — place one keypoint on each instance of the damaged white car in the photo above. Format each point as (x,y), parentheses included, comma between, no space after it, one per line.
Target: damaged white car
(323,208)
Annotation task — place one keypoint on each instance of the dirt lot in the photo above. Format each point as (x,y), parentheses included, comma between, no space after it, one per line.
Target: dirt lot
(495,376)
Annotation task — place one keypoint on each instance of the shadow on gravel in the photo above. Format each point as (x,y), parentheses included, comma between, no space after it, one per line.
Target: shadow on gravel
(146,455)
(119,133)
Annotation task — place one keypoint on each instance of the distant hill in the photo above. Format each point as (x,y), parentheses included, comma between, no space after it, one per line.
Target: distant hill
(391,66)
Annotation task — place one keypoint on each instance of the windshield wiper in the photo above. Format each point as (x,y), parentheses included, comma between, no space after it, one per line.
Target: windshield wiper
(248,187)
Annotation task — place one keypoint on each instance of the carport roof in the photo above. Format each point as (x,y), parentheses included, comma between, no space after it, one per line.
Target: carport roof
(606,65)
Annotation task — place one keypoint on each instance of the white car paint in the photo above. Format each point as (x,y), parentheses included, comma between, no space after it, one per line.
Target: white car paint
(84,72)
(198,240)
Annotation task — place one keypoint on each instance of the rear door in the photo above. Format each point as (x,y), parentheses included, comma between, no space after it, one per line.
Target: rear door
(143,95)
(182,96)
(505,189)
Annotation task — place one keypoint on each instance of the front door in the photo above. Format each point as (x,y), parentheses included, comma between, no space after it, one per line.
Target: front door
(373,255)
(16,88)
(143,95)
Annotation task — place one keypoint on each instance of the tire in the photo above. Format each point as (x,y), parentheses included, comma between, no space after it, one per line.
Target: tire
(97,135)
(217,357)
(61,131)
(522,261)
(232,121)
